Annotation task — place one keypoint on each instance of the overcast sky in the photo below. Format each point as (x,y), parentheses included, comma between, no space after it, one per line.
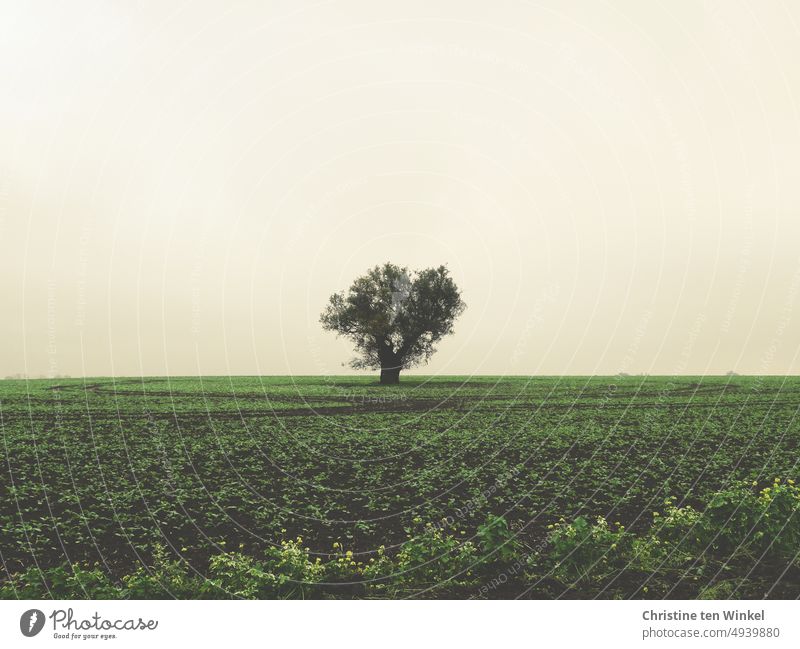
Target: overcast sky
(615,186)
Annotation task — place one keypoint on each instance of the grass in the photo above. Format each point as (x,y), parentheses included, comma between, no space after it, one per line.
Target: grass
(200,485)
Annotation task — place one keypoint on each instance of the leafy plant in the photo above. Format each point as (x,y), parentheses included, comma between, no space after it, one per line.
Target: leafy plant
(286,572)
(431,562)
(585,551)
(497,541)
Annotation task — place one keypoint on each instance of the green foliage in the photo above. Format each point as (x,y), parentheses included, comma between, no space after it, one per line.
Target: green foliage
(193,464)
(497,541)
(393,316)
(739,523)
(431,562)
(286,572)
(166,578)
(60,582)
(435,561)
(582,551)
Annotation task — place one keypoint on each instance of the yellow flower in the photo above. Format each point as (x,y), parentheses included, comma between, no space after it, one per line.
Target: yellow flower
(335,544)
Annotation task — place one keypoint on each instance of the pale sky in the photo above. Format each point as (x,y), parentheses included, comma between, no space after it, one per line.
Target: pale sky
(614,186)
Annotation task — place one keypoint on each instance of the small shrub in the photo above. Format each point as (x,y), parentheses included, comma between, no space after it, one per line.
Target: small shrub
(497,542)
(286,572)
(582,551)
(167,578)
(343,568)
(432,562)
(737,523)
(61,582)
(780,522)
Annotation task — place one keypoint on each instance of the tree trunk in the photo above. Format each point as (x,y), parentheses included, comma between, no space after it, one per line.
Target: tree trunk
(390,375)
(391,364)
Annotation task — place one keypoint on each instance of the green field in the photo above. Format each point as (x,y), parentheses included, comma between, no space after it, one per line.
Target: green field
(443,487)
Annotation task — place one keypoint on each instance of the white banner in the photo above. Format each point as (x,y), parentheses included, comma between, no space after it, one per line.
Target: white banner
(402,624)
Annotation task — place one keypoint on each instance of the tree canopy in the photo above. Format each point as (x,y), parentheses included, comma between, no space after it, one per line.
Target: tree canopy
(395,317)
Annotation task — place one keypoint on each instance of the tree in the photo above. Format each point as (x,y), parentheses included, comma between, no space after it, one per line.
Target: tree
(395,317)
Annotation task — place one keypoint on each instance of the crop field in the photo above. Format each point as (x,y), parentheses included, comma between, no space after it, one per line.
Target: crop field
(483,487)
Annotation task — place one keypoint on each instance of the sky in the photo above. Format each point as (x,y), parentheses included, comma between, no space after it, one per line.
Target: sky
(615,186)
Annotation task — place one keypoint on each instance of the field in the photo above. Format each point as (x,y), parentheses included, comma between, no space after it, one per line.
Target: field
(483,487)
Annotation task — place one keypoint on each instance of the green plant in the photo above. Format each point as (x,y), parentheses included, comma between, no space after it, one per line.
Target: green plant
(780,522)
(738,522)
(61,582)
(430,562)
(343,567)
(497,542)
(166,578)
(582,551)
(286,572)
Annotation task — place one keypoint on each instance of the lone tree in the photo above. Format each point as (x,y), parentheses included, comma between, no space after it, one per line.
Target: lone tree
(395,317)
